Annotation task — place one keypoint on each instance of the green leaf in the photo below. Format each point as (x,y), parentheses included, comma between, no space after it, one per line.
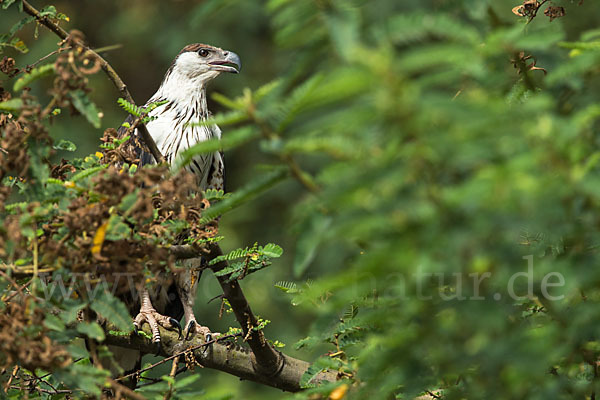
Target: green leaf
(308,341)
(117,228)
(214,194)
(315,368)
(130,107)
(234,269)
(86,107)
(417,27)
(351,311)
(128,201)
(309,375)
(312,232)
(12,105)
(244,194)
(91,330)
(70,311)
(227,102)
(299,99)
(77,351)
(271,250)
(170,380)
(54,323)
(154,105)
(65,145)
(8,3)
(287,287)
(18,45)
(83,376)
(232,139)
(223,119)
(22,205)
(185,382)
(88,172)
(48,11)
(17,27)
(595,45)
(253,258)
(34,74)
(7,41)
(113,310)
(266,89)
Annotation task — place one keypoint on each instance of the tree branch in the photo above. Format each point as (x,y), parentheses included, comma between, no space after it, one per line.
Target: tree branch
(229,358)
(106,67)
(266,361)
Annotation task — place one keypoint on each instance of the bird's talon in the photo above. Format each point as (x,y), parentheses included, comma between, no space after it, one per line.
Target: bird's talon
(190,328)
(176,323)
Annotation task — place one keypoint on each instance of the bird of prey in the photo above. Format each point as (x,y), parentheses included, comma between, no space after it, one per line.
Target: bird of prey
(183,91)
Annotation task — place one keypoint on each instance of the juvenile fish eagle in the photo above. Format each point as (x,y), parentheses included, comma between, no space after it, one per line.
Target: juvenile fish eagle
(184,91)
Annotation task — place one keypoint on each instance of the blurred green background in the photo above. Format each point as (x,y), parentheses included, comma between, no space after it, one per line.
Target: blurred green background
(433,154)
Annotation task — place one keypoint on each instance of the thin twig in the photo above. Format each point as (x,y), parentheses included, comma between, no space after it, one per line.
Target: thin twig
(40,390)
(35,260)
(31,66)
(12,376)
(124,390)
(92,345)
(169,392)
(536,10)
(154,381)
(266,357)
(40,380)
(12,282)
(106,67)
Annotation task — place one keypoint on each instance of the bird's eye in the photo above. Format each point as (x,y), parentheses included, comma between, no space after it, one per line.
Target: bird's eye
(203,52)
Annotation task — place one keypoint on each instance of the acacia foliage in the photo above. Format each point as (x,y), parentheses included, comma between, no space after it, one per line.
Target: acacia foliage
(434,142)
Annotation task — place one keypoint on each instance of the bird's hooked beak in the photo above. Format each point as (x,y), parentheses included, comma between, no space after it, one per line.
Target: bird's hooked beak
(229,63)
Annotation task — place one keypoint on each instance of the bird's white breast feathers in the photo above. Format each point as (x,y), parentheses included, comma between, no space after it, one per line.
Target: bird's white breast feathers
(175,125)
(175,130)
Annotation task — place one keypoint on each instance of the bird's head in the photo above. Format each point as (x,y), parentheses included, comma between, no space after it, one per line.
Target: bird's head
(204,62)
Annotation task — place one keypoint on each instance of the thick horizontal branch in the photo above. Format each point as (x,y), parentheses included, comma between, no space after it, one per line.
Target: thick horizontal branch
(230,358)
(267,360)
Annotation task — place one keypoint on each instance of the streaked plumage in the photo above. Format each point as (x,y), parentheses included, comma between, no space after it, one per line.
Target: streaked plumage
(184,90)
